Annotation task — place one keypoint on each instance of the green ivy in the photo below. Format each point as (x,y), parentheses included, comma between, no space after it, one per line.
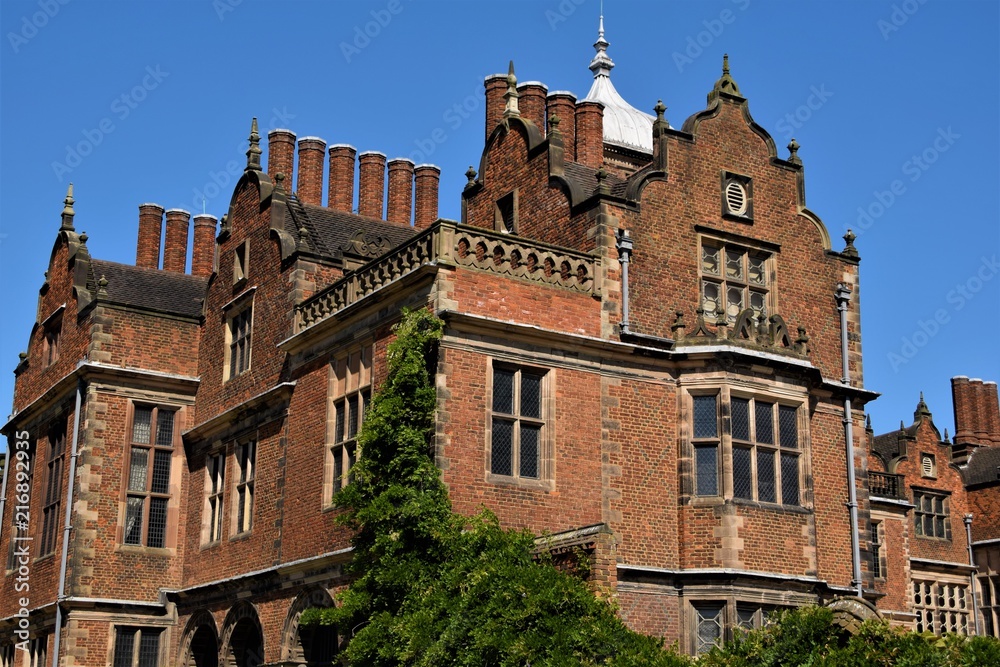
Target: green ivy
(431,587)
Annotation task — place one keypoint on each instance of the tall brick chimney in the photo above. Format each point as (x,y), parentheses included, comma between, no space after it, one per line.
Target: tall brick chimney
(993,412)
(532,103)
(589,134)
(496,86)
(371,184)
(203,253)
(175,247)
(400,191)
(428,179)
(977,411)
(340,195)
(147,250)
(562,103)
(312,150)
(281,155)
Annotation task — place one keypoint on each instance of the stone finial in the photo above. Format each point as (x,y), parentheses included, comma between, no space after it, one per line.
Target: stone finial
(678,326)
(224,223)
(68,212)
(902,426)
(793,152)
(102,286)
(602,181)
(303,240)
(802,342)
(554,121)
(471,175)
(849,249)
(253,153)
(868,423)
(84,238)
(947,438)
(510,97)
(725,84)
(922,409)
(22,356)
(279,181)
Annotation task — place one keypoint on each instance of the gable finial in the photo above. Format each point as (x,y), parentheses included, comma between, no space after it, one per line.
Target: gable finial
(253,153)
(68,212)
(849,249)
(510,97)
(793,152)
(602,64)
(725,84)
(922,409)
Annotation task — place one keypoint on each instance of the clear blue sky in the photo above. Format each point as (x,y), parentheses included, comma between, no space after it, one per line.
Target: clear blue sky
(882,96)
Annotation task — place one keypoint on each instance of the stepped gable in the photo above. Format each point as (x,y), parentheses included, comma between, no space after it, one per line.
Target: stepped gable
(150,289)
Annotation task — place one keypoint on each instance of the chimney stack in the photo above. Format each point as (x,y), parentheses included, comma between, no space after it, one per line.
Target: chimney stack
(371,185)
(992,412)
(147,251)
(175,247)
(428,178)
(312,150)
(562,103)
(281,155)
(400,191)
(532,103)
(496,86)
(340,196)
(590,134)
(203,254)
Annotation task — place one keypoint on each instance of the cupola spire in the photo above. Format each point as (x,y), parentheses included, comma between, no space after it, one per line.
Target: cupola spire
(725,84)
(253,153)
(602,64)
(68,212)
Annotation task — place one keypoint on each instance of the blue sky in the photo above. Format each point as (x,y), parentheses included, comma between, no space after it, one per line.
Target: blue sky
(895,105)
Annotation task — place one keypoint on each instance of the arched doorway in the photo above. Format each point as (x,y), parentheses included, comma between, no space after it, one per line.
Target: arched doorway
(242,638)
(200,645)
(309,646)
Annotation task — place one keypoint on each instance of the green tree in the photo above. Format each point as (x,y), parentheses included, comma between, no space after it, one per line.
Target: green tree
(434,588)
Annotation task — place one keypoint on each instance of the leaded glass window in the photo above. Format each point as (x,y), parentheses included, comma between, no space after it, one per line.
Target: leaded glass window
(705,431)
(734,278)
(351,391)
(931,514)
(147,493)
(517,423)
(709,622)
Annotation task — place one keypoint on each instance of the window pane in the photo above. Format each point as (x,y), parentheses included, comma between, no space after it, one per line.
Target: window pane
(161,471)
(765,476)
(133,520)
(529,451)
(734,301)
(764,416)
(741,419)
(706,422)
(758,303)
(338,468)
(756,270)
(531,395)
(742,483)
(789,479)
(734,264)
(503,391)
(788,426)
(149,648)
(710,297)
(502,456)
(124,643)
(165,429)
(709,626)
(137,469)
(338,428)
(745,617)
(352,416)
(157,522)
(710,260)
(141,425)
(707,468)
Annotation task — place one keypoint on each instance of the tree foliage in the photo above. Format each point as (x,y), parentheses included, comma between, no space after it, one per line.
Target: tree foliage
(434,588)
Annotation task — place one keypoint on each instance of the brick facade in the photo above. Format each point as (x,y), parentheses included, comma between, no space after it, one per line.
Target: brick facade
(642,359)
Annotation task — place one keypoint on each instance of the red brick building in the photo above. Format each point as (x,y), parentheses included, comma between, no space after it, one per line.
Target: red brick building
(652,352)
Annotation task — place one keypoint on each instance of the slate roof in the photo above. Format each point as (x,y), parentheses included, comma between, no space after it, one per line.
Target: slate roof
(163,291)
(982,466)
(586,178)
(330,230)
(888,445)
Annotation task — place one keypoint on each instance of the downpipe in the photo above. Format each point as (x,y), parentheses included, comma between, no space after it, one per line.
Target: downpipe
(843,296)
(67,525)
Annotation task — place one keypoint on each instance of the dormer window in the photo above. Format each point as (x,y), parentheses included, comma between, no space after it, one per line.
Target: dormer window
(505,213)
(737,197)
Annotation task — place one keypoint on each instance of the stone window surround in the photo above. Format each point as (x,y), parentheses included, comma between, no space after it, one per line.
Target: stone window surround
(238,306)
(214,506)
(746,182)
(731,605)
(724,390)
(137,632)
(344,385)
(243,486)
(748,247)
(940,583)
(918,512)
(546,443)
(54,466)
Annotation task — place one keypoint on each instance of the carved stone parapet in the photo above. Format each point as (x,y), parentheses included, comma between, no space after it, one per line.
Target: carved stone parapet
(769,334)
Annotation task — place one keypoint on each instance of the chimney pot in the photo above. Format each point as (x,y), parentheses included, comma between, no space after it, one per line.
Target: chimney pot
(371,185)
(400,191)
(175,247)
(428,179)
(203,254)
(281,155)
(147,251)
(310,184)
(341,189)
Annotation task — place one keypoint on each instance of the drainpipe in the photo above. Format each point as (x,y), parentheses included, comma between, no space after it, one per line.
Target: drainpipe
(624,255)
(843,296)
(972,575)
(67,525)
(3,493)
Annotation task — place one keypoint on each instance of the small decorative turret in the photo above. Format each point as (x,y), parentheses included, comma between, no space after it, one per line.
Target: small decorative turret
(253,153)
(849,249)
(68,212)
(922,409)
(510,97)
(725,84)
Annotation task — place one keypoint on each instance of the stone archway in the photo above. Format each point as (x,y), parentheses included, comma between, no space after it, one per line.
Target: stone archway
(200,643)
(242,637)
(850,613)
(308,646)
